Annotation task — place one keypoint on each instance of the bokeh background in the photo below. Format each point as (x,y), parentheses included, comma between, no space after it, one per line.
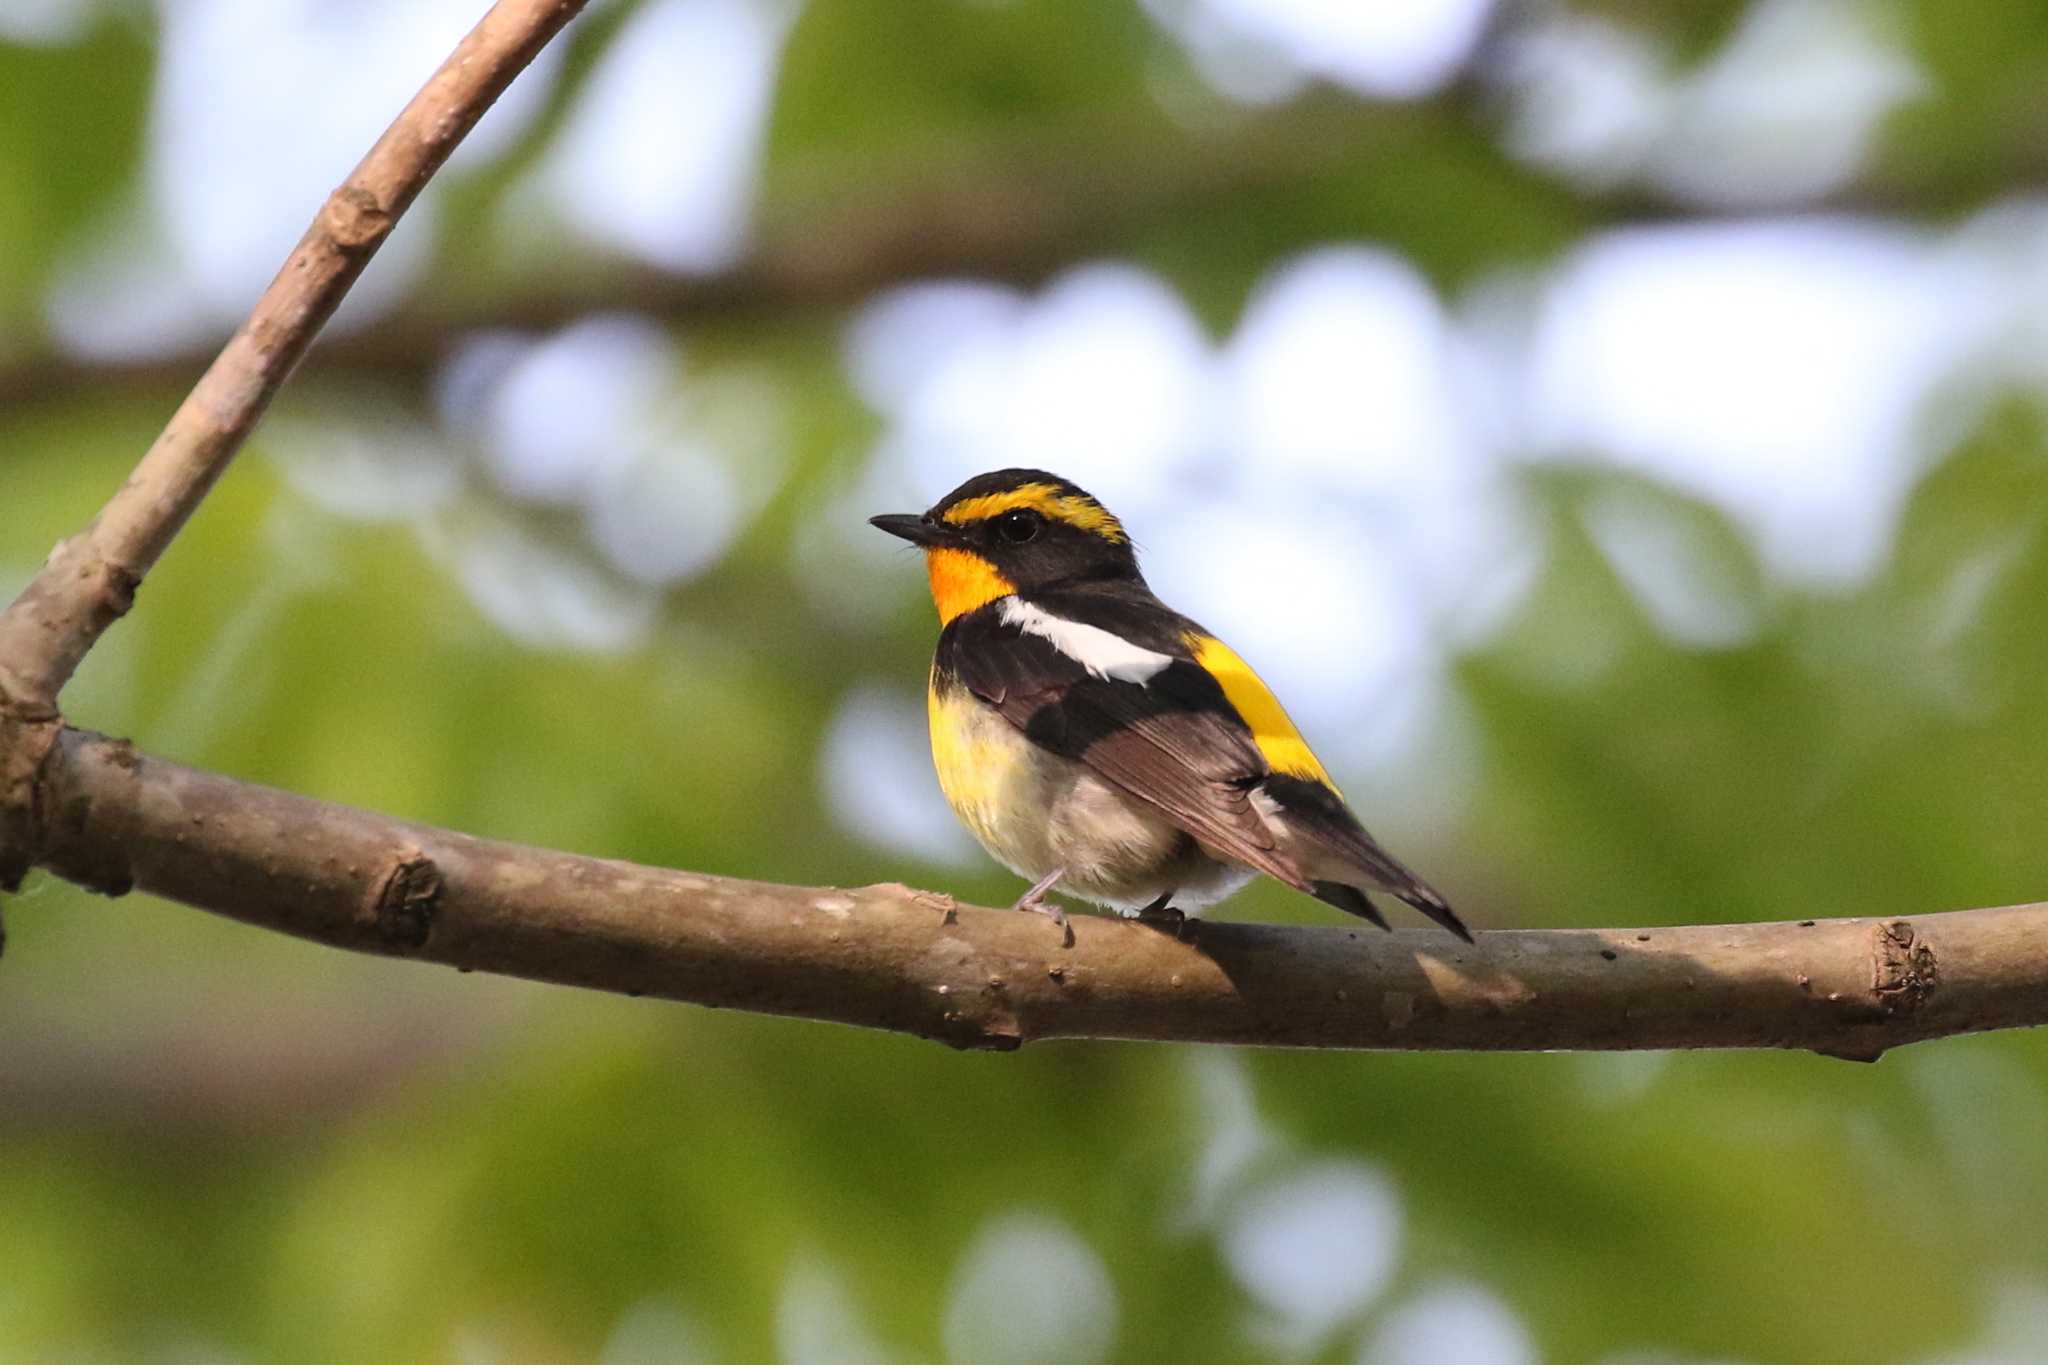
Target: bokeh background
(1616,429)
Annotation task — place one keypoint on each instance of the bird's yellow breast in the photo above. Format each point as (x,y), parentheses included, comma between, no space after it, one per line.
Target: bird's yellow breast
(985,766)
(1036,811)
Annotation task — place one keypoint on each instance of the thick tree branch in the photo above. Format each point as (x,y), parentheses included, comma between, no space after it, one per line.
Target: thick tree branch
(93,810)
(891,958)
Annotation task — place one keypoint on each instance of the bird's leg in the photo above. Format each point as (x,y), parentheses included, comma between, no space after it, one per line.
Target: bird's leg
(1161,915)
(1034,901)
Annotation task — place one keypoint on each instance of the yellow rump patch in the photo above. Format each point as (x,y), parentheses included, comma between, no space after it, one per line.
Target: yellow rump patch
(1043,498)
(962,581)
(1272,731)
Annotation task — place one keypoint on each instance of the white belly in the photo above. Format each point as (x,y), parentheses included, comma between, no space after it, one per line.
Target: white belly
(1035,811)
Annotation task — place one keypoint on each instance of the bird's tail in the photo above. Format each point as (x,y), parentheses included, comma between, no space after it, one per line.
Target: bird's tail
(1340,862)
(1424,898)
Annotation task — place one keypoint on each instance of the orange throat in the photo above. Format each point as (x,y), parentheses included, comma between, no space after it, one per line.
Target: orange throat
(962,581)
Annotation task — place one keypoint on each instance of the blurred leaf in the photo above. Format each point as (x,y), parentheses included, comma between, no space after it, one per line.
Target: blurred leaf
(70,141)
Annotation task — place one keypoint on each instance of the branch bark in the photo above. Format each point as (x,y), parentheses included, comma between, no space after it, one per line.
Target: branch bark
(891,958)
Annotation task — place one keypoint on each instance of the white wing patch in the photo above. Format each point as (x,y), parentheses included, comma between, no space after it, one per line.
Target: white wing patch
(1102,653)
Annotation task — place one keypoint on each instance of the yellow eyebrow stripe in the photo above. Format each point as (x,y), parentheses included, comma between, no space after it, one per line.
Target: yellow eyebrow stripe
(1272,731)
(1046,500)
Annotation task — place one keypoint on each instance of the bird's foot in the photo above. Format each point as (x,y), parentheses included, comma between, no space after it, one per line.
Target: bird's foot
(1034,901)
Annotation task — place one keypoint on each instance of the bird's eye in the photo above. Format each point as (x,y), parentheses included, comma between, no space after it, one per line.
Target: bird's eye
(1018,526)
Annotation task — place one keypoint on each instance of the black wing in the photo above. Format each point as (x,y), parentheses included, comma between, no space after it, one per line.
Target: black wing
(1173,740)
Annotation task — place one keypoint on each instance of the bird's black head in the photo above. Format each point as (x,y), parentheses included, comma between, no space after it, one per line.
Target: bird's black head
(1023,529)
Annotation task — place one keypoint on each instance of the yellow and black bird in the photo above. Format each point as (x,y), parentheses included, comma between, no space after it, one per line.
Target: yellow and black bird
(1094,739)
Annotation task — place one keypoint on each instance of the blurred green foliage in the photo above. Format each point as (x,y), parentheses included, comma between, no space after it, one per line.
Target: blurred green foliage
(217,1144)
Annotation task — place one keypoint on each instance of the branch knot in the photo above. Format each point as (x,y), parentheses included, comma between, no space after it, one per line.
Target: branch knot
(356,220)
(402,914)
(28,732)
(1905,970)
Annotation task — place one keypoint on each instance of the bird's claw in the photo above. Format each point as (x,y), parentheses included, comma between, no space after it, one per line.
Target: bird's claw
(1057,914)
(1034,901)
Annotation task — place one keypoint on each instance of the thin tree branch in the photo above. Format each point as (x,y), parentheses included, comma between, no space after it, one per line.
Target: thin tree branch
(1018,214)
(914,962)
(1014,210)
(89,581)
